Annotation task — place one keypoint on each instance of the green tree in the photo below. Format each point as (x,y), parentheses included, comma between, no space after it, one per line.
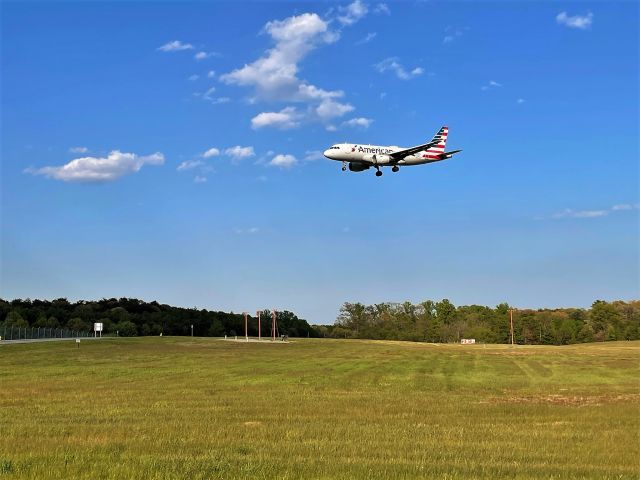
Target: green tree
(126,328)
(14,319)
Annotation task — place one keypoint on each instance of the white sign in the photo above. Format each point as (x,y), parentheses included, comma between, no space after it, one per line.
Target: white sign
(77,340)
(97,327)
(468,341)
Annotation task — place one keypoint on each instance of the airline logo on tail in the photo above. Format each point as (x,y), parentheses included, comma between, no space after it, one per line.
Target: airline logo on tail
(437,150)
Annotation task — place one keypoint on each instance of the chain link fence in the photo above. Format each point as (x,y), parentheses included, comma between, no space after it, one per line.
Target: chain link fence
(33,333)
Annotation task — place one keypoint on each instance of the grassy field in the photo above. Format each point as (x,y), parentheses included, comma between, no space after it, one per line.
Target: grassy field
(182,408)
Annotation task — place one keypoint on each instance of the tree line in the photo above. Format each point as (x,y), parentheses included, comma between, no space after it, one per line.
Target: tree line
(442,321)
(133,317)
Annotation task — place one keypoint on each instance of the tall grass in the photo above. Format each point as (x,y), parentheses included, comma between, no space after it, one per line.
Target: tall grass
(181,408)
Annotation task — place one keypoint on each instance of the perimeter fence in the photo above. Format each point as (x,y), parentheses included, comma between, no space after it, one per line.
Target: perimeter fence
(33,333)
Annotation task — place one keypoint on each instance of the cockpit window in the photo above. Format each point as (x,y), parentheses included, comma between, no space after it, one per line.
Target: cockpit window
(335,147)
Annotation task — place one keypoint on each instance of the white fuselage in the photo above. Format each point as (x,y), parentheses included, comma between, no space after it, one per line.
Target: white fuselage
(373,155)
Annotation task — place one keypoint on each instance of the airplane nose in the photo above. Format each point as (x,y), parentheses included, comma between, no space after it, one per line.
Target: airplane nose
(326,153)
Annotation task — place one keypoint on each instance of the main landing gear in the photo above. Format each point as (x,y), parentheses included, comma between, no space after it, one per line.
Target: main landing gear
(395,168)
(344,166)
(378,172)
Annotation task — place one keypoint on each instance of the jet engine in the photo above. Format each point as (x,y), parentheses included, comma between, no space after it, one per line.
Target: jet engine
(377,159)
(357,167)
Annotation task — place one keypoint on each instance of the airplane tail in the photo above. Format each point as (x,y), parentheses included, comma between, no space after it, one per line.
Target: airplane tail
(441,138)
(436,152)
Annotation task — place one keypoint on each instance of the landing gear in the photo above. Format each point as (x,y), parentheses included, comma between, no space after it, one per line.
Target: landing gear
(395,168)
(378,173)
(344,166)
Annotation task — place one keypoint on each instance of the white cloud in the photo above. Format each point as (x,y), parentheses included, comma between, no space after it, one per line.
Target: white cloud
(330,109)
(359,122)
(78,149)
(99,169)
(274,76)
(391,64)
(208,96)
(568,213)
(199,179)
(382,95)
(491,84)
(211,74)
(367,39)
(212,152)
(331,128)
(313,155)
(175,46)
(283,161)
(382,8)
(286,118)
(624,206)
(194,77)
(189,164)
(583,22)
(451,34)
(204,55)
(352,12)
(238,153)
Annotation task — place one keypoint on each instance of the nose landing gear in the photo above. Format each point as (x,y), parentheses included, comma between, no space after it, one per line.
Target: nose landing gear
(344,166)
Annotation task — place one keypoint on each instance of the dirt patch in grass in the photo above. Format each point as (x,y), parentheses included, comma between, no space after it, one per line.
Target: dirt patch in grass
(568,400)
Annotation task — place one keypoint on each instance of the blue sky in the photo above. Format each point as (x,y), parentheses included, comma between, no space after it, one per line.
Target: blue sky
(109,110)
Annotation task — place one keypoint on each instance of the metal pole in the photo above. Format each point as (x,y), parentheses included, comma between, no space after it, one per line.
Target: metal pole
(246,331)
(192,330)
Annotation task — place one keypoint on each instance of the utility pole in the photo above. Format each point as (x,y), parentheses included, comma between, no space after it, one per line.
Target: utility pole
(511,310)
(259,326)
(192,330)
(274,325)
(246,327)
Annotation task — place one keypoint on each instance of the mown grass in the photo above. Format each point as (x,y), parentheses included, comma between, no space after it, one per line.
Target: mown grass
(181,408)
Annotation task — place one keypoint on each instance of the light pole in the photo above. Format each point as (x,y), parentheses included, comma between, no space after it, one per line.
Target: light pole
(192,330)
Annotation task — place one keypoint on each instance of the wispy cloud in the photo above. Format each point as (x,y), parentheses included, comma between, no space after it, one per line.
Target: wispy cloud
(582,22)
(451,34)
(194,77)
(352,13)
(491,84)
(175,46)
(391,64)
(211,74)
(367,38)
(78,149)
(283,161)
(382,9)
(189,165)
(204,55)
(246,231)
(313,155)
(520,101)
(359,122)
(199,179)
(99,169)
(570,213)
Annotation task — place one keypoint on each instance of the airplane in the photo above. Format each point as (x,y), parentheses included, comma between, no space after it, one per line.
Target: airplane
(363,157)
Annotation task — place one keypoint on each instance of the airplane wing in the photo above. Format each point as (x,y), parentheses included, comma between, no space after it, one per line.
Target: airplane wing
(399,155)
